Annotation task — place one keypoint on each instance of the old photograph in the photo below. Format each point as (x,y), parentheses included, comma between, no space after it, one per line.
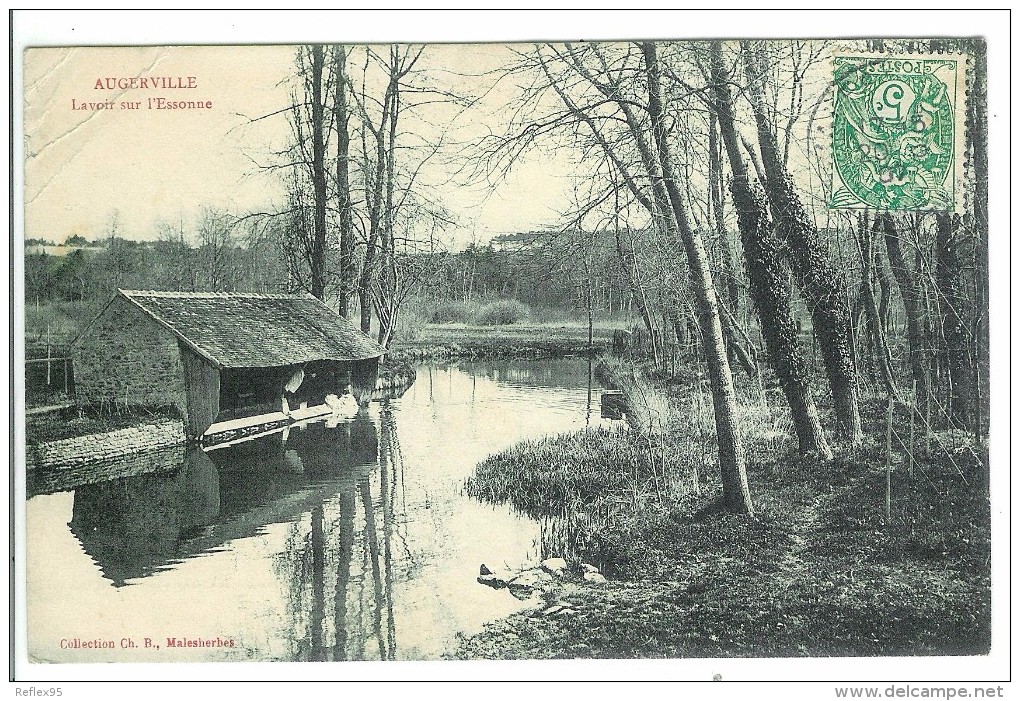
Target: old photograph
(630,349)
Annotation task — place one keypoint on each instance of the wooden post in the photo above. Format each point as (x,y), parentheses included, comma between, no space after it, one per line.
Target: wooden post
(888,462)
(48,355)
(927,413)
(910,449)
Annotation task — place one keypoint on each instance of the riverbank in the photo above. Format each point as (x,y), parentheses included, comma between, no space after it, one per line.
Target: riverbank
(521,340)
(817,572)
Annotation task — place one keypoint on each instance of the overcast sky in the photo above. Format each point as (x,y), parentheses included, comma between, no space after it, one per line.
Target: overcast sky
(153,164)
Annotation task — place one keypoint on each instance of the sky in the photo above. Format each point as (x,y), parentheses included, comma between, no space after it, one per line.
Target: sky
(160,165)
(152,165)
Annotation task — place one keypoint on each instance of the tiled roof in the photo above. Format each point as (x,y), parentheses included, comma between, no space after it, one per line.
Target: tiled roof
(246,330)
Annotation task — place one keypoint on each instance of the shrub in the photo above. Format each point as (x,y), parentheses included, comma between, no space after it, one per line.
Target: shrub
(452,312)
(502,312)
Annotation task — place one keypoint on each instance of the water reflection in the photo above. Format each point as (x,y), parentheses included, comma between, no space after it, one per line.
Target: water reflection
(132,527)
(339,564)
(564,373)
(328,541)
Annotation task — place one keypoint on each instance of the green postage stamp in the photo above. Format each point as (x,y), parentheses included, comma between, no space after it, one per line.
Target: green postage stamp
(898,132)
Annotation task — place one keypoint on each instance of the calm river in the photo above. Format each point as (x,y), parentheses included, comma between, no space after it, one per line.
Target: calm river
(344,542)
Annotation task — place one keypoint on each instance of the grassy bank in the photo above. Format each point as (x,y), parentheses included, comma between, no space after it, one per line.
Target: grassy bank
(817,572)
(519,340)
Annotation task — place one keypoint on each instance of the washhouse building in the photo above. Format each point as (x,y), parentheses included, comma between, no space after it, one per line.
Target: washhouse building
(220,357)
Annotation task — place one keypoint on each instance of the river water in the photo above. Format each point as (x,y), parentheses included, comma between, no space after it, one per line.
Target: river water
(352,541)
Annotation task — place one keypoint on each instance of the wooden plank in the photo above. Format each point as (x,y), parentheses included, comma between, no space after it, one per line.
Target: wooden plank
(202,386)
(299,414)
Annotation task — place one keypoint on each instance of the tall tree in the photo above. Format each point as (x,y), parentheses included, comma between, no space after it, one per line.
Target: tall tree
(767,275)
(821,282)
(318,166)
(918,331)
(869,302)
(736,495)
(347,274)
(950,266)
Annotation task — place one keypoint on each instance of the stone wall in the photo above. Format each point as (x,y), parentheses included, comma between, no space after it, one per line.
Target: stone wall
(48,479)
(126,358)
(101,446)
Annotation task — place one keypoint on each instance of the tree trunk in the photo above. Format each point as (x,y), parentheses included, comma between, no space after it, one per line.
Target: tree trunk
(822,284)
(375,174)
(885,285)
(952,301)
(388,274)
(736,495)
(918,335)
(716,182)
(365,287)
(318,256)
(735,338)
(879,346)
(341,116)
(767,279)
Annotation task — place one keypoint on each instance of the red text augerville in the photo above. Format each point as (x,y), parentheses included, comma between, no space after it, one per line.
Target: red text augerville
(156,82)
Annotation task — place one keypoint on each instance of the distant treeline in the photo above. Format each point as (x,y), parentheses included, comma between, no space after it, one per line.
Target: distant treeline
(541,270)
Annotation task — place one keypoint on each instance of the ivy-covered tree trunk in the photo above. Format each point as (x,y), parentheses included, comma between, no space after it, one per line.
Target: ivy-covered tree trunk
(736,495)
(767,278)
(822,284)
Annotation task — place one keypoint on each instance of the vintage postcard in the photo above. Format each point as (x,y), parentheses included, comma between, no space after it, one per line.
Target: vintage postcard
(624,349)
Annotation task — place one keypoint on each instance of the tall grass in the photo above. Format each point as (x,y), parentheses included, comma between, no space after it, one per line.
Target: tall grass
(648,410)
(454,312)
(608,490)
(550,474)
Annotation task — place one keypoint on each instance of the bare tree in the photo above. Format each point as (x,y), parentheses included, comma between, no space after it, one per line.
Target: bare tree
(317,260)
(216,262)
(347,272)
(736,495)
